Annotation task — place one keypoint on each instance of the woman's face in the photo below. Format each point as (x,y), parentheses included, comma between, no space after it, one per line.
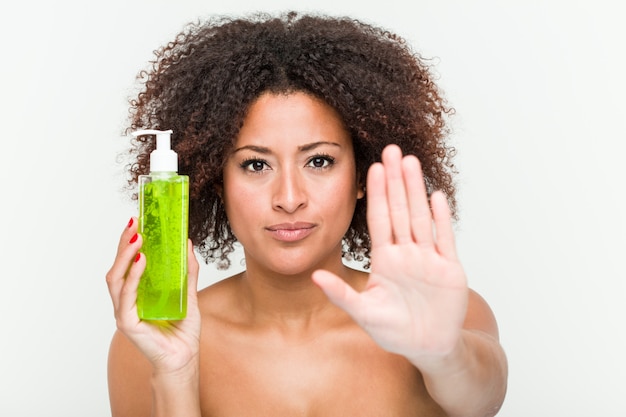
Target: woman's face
(290,185)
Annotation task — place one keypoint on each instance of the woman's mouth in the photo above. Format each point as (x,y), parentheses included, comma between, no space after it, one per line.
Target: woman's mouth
(290,232)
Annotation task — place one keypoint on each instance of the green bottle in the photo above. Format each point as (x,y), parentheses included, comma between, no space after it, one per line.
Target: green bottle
(163,216)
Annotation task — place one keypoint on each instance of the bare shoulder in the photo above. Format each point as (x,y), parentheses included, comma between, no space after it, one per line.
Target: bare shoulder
(480,316)
(219,299)
(128,379)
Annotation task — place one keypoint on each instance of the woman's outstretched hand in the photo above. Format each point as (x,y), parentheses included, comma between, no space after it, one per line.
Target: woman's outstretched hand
(416,297)
(169,346)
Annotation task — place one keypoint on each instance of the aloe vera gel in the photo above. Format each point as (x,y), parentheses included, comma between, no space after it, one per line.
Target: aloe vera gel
(163,214)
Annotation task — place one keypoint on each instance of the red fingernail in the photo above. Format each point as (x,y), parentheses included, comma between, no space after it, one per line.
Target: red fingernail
(133,239)
(137,257)
(130,222)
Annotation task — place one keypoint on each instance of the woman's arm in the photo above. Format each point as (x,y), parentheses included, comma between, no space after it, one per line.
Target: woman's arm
(472,379)
(417,303)
(153,368)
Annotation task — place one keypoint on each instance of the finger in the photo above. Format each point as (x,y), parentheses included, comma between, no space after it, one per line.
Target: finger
(126,312)
(378,221)
(192,271)
(129,244)
(192,265)
(420,214)
(129,231)
(446,245)
(338,292)
(396,194)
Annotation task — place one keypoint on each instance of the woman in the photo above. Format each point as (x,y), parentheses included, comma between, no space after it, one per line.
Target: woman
(292,130)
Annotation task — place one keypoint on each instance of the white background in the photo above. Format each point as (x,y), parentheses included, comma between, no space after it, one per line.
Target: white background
(539,92)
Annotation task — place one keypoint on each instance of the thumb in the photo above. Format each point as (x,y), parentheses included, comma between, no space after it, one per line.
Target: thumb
(338,292)
(192,267)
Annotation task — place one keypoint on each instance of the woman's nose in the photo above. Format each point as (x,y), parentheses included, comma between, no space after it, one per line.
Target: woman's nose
(289,192)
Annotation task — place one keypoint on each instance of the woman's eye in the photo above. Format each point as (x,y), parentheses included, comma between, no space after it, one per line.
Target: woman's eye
(254,165)
(321,162)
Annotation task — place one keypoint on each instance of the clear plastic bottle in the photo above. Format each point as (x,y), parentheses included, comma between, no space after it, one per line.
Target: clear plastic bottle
(163,217)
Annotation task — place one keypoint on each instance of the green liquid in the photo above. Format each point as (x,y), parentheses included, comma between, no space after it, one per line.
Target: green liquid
(163,212)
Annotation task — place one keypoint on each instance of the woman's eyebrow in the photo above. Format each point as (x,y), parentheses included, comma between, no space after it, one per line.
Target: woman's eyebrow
(311,146)
(255,148)
(302,148)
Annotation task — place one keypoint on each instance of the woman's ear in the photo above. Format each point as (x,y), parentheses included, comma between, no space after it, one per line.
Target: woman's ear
(360,193)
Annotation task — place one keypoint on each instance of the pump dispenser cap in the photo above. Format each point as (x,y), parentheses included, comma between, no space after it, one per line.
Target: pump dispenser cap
(163,158)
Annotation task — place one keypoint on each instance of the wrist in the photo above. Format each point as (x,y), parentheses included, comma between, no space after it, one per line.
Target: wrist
(470,380)
(179,372)
(176,393)
(443,363)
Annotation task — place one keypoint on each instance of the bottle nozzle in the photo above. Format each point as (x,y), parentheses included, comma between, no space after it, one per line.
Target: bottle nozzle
(163,158)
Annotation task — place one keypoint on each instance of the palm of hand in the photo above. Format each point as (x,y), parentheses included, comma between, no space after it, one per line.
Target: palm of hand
(416,298)
(168,345)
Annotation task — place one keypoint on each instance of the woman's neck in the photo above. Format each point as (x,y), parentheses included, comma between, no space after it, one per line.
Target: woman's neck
(292,303)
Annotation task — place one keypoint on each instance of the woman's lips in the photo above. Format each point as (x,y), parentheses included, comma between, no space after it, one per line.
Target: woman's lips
(290,232)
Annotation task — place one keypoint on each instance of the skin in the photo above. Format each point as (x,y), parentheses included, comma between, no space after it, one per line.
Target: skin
(298,332)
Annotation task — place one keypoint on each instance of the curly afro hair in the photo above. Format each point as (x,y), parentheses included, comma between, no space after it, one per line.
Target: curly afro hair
(201,84)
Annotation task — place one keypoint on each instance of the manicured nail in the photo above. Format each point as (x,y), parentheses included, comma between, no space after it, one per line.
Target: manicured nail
(133,239)
(130,222)
(137,257)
